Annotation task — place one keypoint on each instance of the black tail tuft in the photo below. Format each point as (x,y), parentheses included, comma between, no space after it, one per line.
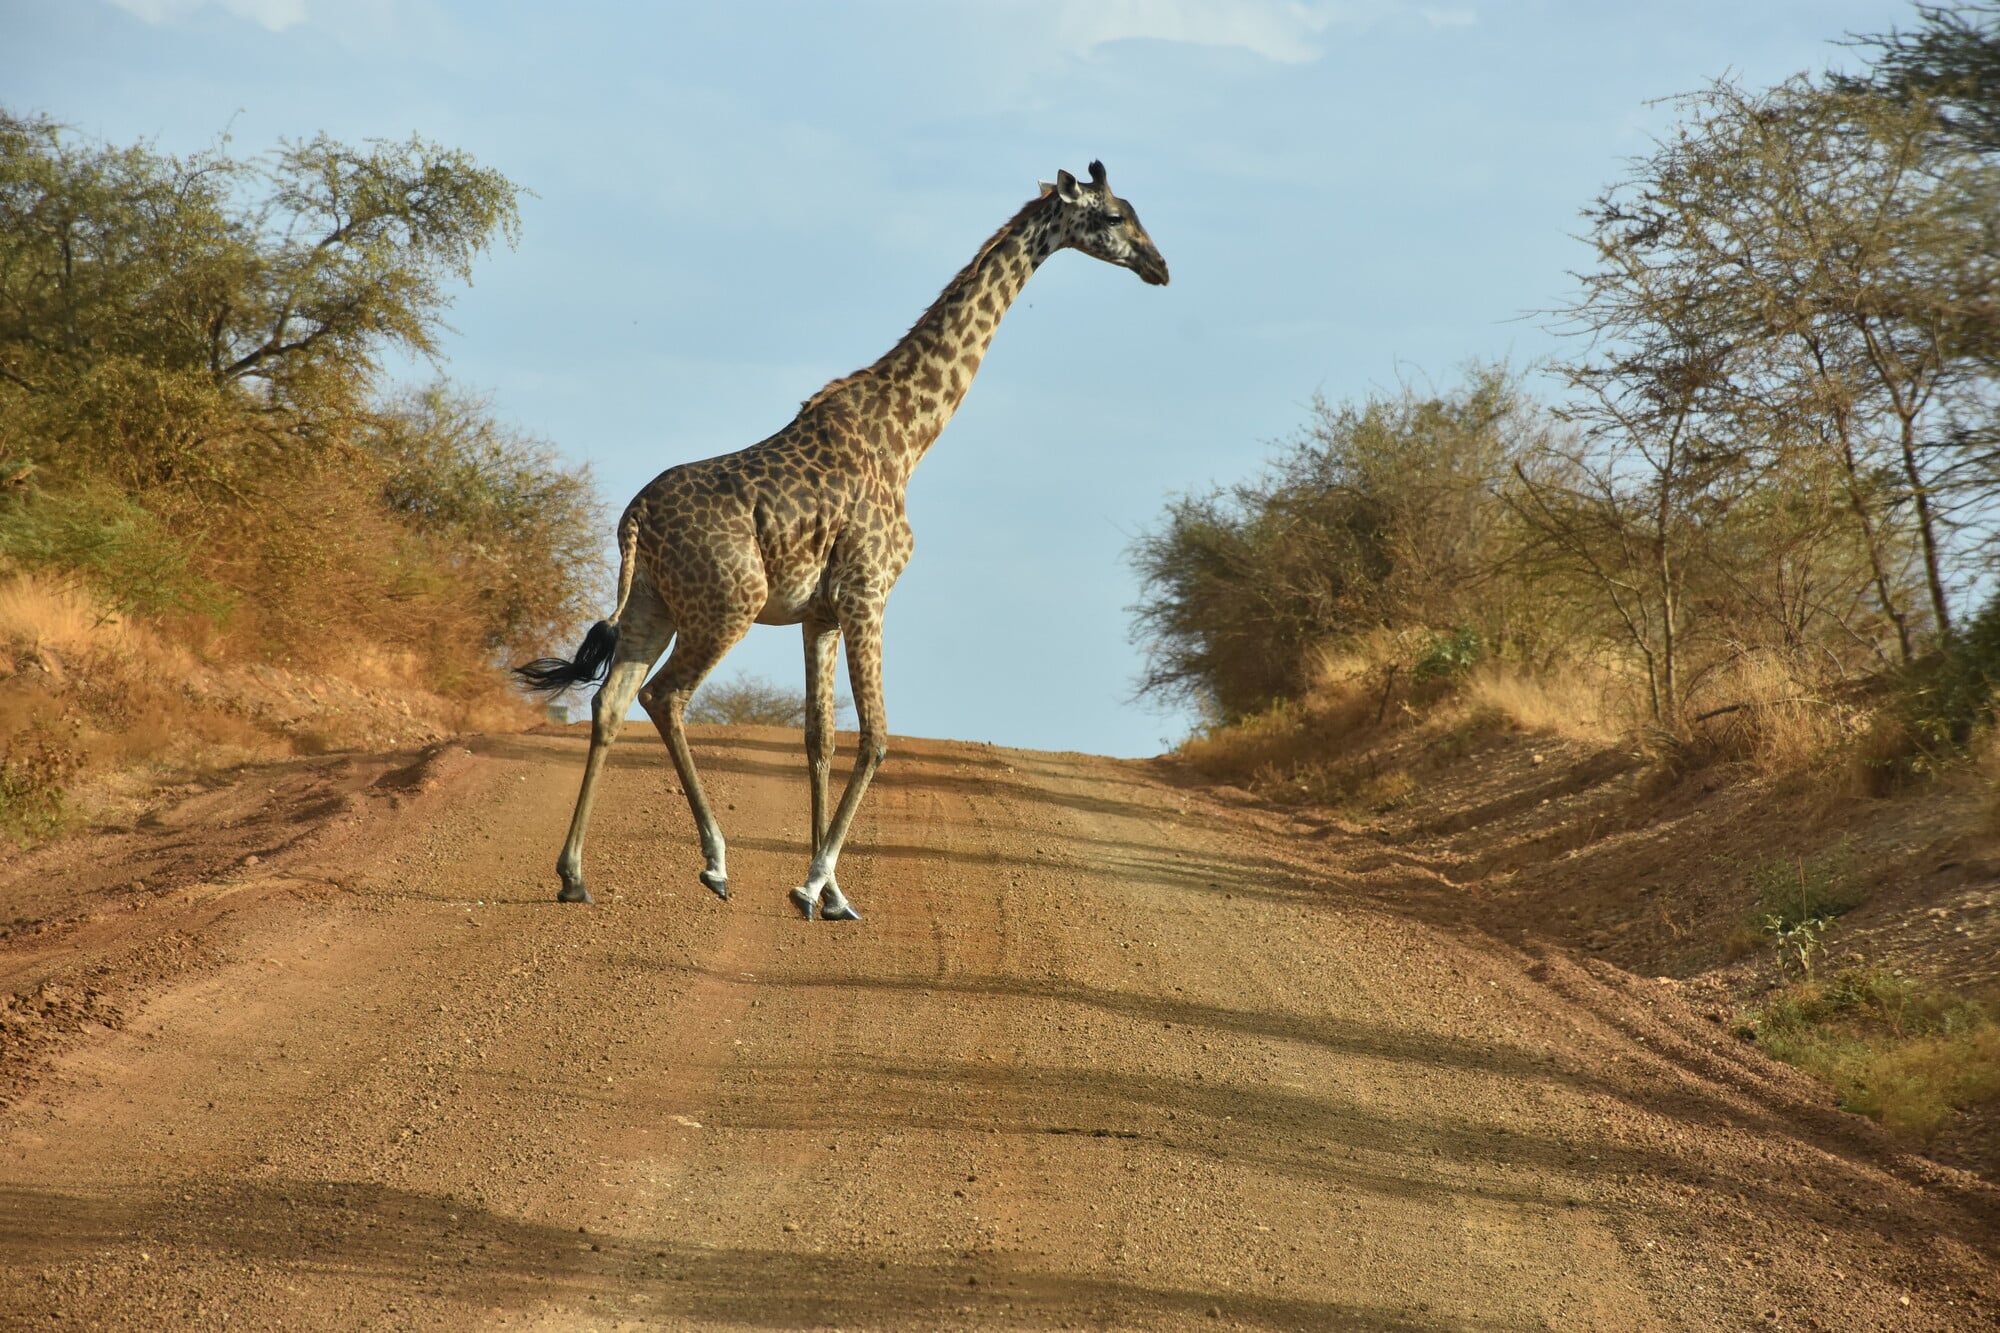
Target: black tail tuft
(553,675)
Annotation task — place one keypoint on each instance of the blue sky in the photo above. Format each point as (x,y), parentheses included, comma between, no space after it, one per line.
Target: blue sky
(737,202)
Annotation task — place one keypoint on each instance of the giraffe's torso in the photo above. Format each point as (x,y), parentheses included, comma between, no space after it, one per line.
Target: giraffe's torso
(792,528)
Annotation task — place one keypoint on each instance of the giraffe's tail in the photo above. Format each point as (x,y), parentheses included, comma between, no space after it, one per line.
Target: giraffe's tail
(553,675)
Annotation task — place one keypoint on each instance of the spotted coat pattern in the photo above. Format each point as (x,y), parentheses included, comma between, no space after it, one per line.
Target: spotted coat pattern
(808,527)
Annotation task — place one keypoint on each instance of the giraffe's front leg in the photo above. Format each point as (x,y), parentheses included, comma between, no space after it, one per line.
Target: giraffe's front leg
(822,641)
(864,671)
(828,903)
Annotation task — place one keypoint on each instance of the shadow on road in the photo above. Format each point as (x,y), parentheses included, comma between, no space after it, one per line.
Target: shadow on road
(407,1248)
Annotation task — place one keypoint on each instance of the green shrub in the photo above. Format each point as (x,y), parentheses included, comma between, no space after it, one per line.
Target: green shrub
(1906,1057)
(1797,945)
(108,539)
(1449,656)
(1380,515)
(519,528)
(193,416)
(1945,699)
(1792,890)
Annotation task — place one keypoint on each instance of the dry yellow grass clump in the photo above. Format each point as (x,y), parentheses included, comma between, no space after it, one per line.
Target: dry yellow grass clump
(1760,708)
(1566,702)
(1372,696)
(1756,710)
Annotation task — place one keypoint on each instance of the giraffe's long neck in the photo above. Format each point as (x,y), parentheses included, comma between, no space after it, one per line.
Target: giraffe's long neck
(909,395)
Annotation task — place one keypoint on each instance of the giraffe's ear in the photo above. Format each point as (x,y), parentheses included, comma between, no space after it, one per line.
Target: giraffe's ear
(1066,187)
(1047,189)
(1097,174)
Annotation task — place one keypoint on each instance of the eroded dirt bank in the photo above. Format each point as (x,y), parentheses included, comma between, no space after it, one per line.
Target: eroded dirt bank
(1104,1054)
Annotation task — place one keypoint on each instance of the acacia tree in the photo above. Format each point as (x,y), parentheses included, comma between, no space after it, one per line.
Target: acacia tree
(1783,427)
(1613,517)
(1791,290)
(157,310)
(1626,503)
(359,247)
(749,700)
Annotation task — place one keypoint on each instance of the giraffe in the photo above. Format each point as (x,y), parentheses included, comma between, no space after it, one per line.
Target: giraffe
(808,527)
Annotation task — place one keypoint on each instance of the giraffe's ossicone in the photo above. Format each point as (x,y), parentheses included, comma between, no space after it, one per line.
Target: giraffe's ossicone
(808,528)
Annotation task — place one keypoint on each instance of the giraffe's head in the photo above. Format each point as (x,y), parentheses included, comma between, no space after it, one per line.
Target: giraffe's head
(1092,219)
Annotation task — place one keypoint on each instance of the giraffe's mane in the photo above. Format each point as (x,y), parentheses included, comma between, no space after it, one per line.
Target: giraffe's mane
(958,283)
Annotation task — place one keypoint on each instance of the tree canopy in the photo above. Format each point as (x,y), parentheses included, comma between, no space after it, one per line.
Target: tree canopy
(194,413)
(1950,59)
(289,271)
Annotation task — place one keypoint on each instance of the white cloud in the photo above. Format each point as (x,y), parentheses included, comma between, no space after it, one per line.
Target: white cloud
(1289,32)
(1284,31)
(271,15)
(1457,16)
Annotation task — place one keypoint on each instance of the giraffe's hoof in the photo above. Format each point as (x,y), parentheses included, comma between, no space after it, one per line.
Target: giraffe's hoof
(807,904)
(717,884)
(574,893)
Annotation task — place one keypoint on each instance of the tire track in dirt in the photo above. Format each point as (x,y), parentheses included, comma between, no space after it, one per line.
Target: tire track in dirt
(1105,1053)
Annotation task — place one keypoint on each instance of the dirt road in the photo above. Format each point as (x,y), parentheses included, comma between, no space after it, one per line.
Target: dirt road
(1105,1053)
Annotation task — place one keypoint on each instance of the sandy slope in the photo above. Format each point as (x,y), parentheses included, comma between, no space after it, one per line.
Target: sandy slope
(1105,1053)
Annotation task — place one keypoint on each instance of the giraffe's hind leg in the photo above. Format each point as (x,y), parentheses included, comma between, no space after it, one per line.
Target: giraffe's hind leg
(665,700)
(643,633)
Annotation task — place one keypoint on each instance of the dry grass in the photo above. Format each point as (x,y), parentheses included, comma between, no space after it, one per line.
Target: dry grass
(1365,695)
(1761,709)
(1363,662)
(86,694)
(41,613)
(1567,702)
(1297,751)
(1338,746)
(1368,739)
(1391,789)
(1982,776)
